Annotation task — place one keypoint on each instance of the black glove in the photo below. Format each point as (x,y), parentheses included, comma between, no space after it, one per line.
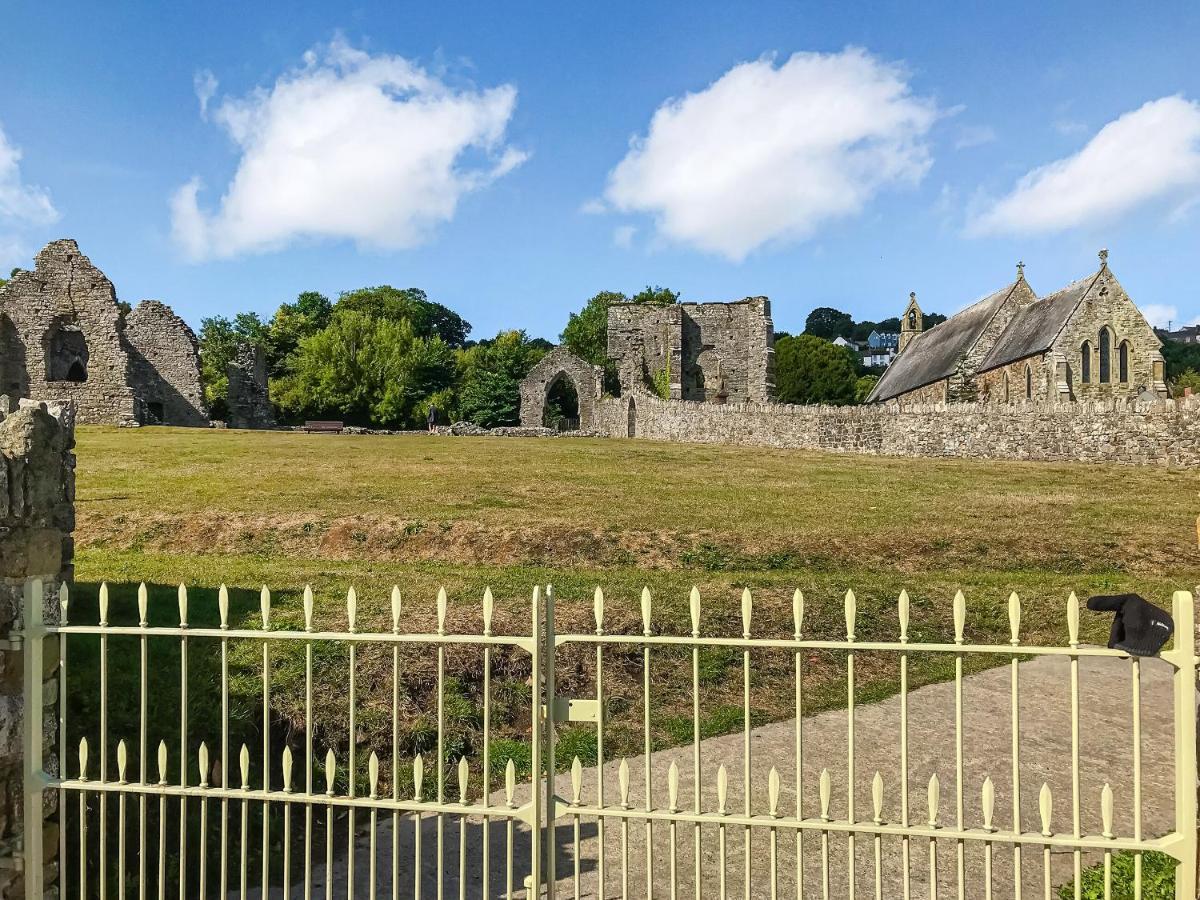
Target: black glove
(1139,627)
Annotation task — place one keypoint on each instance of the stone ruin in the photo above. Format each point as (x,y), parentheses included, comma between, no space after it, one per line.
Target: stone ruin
(63,335)
(249,403)
(707,352)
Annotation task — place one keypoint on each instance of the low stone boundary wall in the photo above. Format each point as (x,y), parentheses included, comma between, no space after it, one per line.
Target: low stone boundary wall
(1161,432)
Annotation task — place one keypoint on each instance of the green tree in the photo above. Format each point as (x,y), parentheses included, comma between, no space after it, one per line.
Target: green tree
(828,323)
(428,319)
(809,369)
(864,386)
(218,342)
(292,323)
(1189,378)
(367,369)
(1179,357)
(490,375)
(586,334)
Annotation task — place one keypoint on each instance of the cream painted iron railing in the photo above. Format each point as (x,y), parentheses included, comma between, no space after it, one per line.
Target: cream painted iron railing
(296,848)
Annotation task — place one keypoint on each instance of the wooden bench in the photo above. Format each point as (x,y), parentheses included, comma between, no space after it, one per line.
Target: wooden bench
(324,427)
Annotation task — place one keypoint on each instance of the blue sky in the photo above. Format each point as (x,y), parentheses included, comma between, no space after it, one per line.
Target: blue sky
(513,159)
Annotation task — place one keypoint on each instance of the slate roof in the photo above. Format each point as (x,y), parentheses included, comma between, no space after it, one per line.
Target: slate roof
(1034,328)
(933,355)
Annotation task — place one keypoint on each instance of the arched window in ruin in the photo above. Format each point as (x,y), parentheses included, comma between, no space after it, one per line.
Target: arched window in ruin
(66,353)
(1123,362)
(1085,362)
(1105,355)
(1028,382)
(1005,387)
(562,404)
(631,423)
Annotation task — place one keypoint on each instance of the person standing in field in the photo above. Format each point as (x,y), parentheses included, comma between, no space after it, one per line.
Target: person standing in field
(431,418)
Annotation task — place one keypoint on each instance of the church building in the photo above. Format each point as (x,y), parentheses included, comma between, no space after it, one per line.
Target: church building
(1086,341)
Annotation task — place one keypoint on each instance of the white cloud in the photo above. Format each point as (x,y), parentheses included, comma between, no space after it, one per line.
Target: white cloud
(348,145)
(1160,314)
(974,136)
(205,85)
(21,205)
(623,236)
(772,152)
(1148,154)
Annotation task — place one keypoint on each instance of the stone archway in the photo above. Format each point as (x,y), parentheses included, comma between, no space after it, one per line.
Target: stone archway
(557,367)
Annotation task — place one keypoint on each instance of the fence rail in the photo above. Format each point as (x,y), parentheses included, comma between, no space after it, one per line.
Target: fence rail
(189,819)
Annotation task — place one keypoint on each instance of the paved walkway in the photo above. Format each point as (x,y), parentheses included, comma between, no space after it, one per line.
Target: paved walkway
(1106,755)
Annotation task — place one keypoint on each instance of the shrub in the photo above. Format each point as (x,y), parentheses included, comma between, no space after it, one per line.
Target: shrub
(1158,879)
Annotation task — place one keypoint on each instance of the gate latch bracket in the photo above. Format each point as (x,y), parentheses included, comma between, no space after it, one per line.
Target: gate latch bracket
(571,709)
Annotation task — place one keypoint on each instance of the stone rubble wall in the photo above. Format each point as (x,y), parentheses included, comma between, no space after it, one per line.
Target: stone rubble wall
(37,517)
(588,381)
(249,403)
(165,365)
(1132,432)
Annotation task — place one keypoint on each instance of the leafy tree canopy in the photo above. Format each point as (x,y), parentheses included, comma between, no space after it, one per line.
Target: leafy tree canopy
(218,342)
(427,318)
(809,369)
(1179,357)
(828,323)
(490,375)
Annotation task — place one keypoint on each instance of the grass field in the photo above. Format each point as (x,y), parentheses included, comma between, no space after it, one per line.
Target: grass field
(204,507)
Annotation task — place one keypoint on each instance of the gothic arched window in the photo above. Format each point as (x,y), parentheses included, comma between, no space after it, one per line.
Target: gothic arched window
(1028,383)
(1085,362)
(1105,356)
(1123,362)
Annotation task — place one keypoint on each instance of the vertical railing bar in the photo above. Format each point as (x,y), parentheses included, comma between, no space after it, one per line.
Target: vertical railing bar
(32,675)
(244,861)
(960,848)
(798,622)
(223,600)
(551,767)
(905,846)
(203,834)
(64,603)
(103,874)
(142,798)
(1076,828)
(1183,610)
(1136,664)
(536,717)
(162,845)
(183,744)
(600,759)
(308,745)
(83,854)
(850,817)
(747,768)
(352,763)
(1014,689)
(441,758)
(395,875)
(697,833)
(266,751)
(329,839)
(486,827)
(649,805)
(287,851)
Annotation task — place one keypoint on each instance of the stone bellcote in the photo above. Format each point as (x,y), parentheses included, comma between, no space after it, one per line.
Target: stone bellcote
(911,323)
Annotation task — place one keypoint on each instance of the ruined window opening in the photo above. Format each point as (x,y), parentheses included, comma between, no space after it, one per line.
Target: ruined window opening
(562,404)
(631,424)
(1005,387)
(66,354)
(1028,383)
(14,380)
(1105,356)
(1085,363)
(1123,362)
(155,414)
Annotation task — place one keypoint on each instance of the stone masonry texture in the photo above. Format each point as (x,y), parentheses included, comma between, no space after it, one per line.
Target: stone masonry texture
(249,404)
(63,336)
(712,352)
(556,365)
(1134,432)
(37,517)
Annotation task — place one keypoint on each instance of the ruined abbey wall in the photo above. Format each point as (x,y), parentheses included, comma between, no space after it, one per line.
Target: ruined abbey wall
(165,363)
(1158,432)
(63,336)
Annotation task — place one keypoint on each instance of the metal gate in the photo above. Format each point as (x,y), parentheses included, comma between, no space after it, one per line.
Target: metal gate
(196,816)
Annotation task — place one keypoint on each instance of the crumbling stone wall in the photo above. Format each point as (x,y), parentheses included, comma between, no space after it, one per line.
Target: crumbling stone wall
(165,362)
(712,352)
(1134,432)
(37,516)
(249,404)
(559,363)
(63,336)
(66,337)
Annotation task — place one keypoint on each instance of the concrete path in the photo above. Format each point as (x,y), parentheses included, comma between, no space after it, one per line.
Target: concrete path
(1105,756)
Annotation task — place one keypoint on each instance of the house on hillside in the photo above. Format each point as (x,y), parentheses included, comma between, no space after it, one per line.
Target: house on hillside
(1188,334)
(1085,341)
(881,349)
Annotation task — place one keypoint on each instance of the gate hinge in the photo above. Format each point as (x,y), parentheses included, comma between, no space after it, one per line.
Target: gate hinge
(570,709)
